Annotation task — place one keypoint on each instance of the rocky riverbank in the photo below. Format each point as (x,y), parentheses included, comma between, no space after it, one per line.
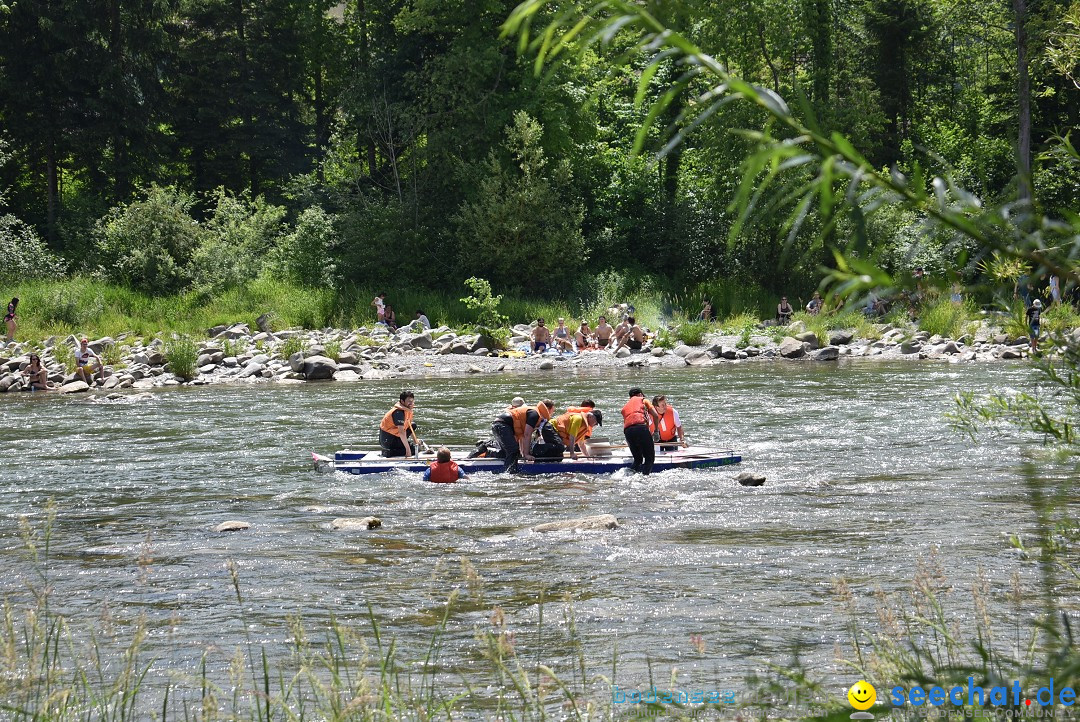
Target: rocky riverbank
(235,354)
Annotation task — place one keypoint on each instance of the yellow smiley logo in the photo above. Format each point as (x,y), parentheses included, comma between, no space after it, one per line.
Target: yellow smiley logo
(862,695)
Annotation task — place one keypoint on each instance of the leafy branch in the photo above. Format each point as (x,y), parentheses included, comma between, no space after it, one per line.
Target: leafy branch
(841,180)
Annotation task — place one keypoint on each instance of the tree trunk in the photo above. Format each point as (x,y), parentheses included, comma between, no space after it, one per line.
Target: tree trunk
(52,178)
(1023,92)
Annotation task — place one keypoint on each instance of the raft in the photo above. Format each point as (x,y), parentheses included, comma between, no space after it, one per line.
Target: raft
(373,462)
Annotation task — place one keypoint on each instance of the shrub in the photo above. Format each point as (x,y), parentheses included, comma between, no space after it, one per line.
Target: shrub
(1060,317)
(692,333)
(489,322)
(65,356)
(522,217)
(945,317)
(237,240)
(739,323)
(70,305)
(149,244)
(23,254)
(292,345)
(333,350)
(305,255)
(182,353)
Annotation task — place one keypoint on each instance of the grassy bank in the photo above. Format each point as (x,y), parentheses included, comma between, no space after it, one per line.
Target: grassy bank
(96,308)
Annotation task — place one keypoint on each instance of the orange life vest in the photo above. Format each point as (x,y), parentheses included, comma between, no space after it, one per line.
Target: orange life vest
(667,425)
(564,424)
(444,472)
(388,425)
(519,413)
(635,411)
(582,410)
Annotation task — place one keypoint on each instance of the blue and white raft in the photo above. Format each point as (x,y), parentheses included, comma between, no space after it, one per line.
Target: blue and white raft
(373,462)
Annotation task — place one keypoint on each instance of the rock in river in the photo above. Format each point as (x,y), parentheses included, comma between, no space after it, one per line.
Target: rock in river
(585,523)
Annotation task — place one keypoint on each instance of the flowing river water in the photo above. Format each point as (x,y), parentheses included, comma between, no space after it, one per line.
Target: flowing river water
(864,477)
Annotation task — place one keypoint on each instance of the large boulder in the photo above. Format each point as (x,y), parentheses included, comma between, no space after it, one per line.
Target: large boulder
(698,357)
(910,346)
(791,348)
(829,353)
(808,337)
(319,367)
(232,525)
(682,350)
(74,387)
(840,337)
(235,331)
(749,478)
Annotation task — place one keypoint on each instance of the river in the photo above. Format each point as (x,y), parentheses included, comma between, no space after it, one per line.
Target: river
(864,477)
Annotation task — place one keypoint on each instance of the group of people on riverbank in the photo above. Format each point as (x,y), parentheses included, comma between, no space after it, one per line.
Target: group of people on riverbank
(628,333)
(536,432)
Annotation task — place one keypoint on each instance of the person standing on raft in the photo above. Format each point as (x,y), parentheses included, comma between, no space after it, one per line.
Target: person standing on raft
(636,416)
(513,429)
(669,432)
(397,428)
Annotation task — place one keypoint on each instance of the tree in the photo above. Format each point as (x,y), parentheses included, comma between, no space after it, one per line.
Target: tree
(522,227)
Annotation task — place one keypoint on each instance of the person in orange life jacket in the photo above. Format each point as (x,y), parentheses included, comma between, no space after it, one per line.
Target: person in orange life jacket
(636,415)
(549,446)
(513,429)
(397,428)
(574,427)
(588,406)
(444,470)
(670,426)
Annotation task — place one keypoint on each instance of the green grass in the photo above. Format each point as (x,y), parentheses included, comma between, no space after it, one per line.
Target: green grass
(182,353)
(93,308)
(1059,318)
(943,317)
(692,333)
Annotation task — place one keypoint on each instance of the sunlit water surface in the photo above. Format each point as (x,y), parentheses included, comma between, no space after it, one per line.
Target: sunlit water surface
(864,477)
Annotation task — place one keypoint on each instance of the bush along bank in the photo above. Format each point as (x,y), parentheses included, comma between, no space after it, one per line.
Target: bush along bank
(238,354)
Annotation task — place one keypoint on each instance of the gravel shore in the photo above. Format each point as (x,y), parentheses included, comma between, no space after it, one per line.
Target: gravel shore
(236,354)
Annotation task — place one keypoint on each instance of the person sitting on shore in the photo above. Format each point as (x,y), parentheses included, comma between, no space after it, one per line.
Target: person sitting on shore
(444,470)
(621,331)
(422,318)
(86,361)
(397,435)
(541,337)
(562,338)
(583,337)
(634,338)
(784,311)
(390,318)
(706,312)
(814,306)
(604,333)
(37,378)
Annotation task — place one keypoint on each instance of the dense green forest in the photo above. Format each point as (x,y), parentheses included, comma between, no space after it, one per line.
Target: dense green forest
(193,145)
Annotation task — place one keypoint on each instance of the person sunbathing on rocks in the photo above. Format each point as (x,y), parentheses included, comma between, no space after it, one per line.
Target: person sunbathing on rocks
(541,337)
(634,338)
